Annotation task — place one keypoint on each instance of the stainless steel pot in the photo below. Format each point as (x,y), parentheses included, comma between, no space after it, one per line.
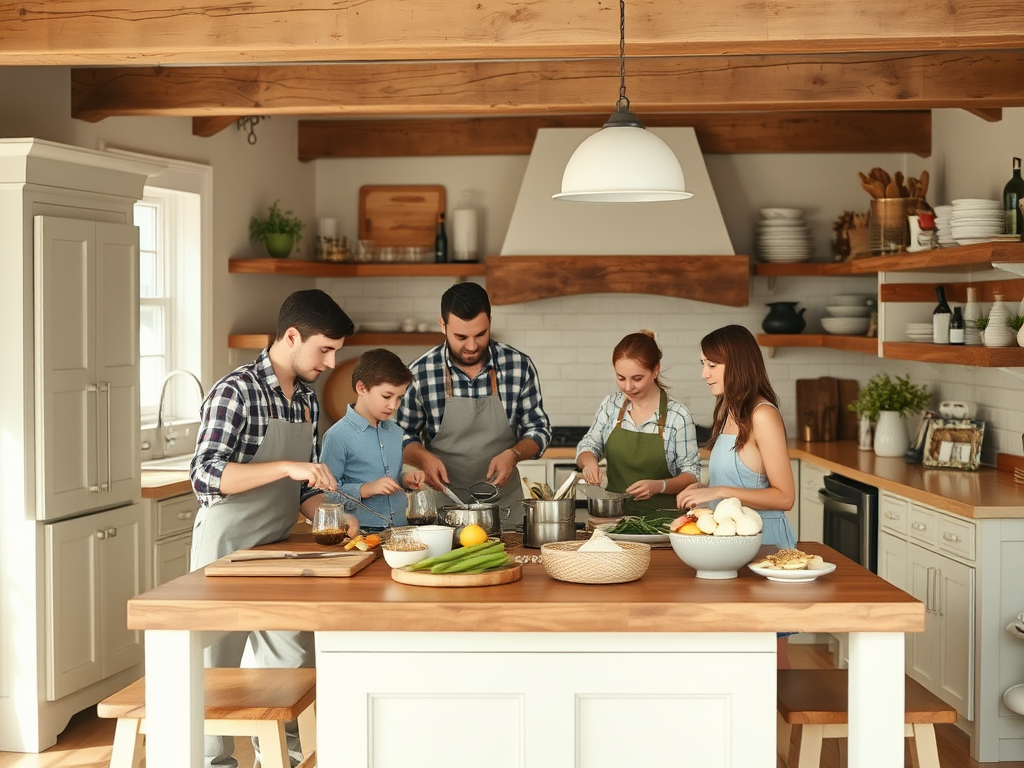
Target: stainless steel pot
(487,516)
(612,505)
(548,521)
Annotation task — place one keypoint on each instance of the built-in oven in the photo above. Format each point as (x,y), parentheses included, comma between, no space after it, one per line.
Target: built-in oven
(851,519)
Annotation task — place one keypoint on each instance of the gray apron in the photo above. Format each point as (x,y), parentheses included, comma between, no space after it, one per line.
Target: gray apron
(473,431)
(239,521)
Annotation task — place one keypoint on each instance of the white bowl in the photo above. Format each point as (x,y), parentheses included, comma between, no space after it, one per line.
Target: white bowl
(841,310)
(852,300)
(850,326)
(439,539)
(1013,698)
(400,558)
(781,213)
(715,557)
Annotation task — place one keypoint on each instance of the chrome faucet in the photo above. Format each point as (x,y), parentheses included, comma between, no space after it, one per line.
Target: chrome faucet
(165,441)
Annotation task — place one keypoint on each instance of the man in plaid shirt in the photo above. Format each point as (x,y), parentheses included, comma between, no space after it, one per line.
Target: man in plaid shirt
(474,408)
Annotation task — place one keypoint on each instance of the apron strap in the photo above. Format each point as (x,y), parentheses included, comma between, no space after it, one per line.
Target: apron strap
(662,407)
(448,382)
(622,412)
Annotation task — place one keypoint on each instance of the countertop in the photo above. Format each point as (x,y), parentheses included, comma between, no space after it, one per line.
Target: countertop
(668,598)
(164,485)
(984,493)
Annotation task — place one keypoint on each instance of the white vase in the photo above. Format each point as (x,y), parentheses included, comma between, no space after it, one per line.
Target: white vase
(865,434)
(998,333)
(972,311)
(891,438)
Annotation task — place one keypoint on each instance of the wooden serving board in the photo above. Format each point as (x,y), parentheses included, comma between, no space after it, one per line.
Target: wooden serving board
(329,566)
(400,216)
(505,575)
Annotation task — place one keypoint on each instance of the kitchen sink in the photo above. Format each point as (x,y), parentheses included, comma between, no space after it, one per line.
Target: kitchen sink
(168,464)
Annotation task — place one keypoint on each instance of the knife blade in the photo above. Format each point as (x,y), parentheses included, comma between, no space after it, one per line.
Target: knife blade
(451,495)
(292,555)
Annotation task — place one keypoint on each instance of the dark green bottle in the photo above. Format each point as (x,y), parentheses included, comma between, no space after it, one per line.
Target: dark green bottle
(1013,194)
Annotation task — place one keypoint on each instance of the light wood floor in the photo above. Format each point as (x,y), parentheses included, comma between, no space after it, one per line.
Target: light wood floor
(86,741)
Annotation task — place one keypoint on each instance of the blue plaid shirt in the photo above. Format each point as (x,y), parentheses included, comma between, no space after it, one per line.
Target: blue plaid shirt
(234,420)
(422,408)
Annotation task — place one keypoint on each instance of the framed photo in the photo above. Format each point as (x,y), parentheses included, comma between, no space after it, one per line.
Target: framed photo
(953,443)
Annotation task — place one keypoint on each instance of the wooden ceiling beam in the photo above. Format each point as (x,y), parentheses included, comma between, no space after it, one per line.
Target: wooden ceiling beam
(716,133)
(103,33)
(696,84)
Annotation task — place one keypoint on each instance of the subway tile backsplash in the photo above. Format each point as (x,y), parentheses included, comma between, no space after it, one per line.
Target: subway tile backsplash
(571,339)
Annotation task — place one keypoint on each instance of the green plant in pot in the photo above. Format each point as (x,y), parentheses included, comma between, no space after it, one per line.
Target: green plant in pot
(887,401)
(279,231)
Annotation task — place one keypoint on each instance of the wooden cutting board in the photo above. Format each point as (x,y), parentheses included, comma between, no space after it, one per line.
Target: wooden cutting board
(400,216)
(334,567)
(821,409)
(504,575)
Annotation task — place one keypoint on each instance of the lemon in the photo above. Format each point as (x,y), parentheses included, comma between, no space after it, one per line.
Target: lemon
(472,534)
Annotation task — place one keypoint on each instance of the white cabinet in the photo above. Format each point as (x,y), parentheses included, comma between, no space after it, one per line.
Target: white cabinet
(892,560)
(172,537)
(812,511)
(87,334)
(94,565)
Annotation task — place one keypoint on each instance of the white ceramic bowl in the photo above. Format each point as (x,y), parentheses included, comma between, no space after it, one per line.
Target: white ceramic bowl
(851,326)
(438,538)
(399,558)
(781,213)
(852,300)
(715,557)
(1013,698)
(841,310)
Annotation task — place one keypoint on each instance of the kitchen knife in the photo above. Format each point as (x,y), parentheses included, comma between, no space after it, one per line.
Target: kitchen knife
(291,555)
(451,495)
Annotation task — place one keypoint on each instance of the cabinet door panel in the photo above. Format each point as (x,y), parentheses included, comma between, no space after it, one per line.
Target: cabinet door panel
(123,567)
(171,559)
(921,646)
(956,641)
(892,560)
(72,606)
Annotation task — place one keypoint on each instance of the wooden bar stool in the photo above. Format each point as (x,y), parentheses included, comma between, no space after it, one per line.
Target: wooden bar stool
(814,700)
(239,702)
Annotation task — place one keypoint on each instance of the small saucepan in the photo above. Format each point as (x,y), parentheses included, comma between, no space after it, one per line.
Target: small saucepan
(487,516)
(611,505)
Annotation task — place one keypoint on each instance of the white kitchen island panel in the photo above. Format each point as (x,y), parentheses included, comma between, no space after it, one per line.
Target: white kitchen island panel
(509,700)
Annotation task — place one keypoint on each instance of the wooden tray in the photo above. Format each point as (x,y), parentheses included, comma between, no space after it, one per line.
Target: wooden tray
(334,567)
(505,575)
(400,216)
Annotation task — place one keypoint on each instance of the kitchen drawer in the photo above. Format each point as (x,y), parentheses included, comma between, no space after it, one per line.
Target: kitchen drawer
(924,525)
(956,536)
(812,477)
(175,515)
(893,513)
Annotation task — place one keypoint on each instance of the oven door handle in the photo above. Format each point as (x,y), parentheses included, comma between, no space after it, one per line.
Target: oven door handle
(834,501)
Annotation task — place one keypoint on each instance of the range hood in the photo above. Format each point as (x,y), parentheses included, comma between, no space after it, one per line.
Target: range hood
(556,248)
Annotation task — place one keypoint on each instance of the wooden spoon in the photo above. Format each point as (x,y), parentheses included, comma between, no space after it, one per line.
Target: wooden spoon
(923,191)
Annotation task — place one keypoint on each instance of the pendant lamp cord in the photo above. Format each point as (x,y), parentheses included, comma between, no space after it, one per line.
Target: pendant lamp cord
(622,105)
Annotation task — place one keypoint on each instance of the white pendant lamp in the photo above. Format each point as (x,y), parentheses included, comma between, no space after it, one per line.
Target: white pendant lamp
(623,162)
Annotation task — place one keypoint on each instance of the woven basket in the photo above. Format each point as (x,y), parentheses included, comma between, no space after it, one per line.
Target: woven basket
(562,561)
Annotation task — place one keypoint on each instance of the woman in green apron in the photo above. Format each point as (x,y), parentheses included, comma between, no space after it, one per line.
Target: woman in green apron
(647,438)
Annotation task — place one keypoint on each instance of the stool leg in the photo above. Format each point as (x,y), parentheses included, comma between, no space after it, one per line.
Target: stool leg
(273,744)
(810,746)
(924,752)
(127,751)
(783,735)
(307,732)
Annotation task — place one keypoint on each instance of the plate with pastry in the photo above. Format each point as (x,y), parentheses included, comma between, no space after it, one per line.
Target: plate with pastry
(791,565)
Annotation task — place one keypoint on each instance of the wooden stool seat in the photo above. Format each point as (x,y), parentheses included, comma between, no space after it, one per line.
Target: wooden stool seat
(239,702)
(815,700)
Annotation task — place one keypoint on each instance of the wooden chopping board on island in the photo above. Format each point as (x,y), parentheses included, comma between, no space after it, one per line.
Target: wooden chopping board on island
(332,567)
(505,575)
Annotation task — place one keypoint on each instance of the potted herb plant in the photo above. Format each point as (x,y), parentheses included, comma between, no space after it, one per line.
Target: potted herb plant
(887,401)
(279,231)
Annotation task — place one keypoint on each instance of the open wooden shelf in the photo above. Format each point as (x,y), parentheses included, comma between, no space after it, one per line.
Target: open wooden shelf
(807,269)
(960,258)
(867,345)
(981,357)
(397,339)
(351,269)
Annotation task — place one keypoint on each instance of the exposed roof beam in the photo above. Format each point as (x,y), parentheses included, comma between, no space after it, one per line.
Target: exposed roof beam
(876,81)
(716,133)
(101,32)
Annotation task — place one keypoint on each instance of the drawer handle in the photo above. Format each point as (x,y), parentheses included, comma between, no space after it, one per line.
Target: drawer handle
(892,516)
(184,515)
(950,537)
(919,526)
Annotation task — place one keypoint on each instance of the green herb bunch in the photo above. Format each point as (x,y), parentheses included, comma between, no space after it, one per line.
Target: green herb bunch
(277,222)
(1016,322)
(882,393)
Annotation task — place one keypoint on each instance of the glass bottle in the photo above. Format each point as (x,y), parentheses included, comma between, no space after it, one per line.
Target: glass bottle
(956,327)
(972,311)
(440,241)
(1013,193)
(940,318)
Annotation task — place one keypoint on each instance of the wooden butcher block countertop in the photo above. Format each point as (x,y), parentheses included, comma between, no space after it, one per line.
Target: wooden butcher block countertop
(668,598)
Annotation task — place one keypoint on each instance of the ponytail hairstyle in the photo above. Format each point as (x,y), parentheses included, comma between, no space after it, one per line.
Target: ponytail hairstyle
(643,349)
(745,382)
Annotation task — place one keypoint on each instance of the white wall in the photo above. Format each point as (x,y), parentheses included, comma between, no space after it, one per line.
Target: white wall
(570,338)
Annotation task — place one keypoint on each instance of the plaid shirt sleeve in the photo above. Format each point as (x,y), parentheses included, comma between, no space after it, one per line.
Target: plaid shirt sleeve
(225,434)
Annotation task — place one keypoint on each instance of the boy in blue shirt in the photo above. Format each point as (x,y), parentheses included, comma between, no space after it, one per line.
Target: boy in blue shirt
(364,449)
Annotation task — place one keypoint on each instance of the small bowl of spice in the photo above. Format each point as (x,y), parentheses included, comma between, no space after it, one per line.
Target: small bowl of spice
(404,547)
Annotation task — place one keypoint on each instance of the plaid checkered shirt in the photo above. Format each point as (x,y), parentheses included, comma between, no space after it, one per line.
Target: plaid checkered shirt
(234,419)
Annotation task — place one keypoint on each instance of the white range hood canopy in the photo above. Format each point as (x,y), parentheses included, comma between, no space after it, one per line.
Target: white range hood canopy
(541,226)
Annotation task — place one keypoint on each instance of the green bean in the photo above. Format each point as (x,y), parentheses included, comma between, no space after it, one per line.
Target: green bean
(456,554)
(471,564)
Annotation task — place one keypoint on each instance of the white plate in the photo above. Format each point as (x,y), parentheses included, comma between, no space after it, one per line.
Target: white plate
(640,538)
(795,576)
(781,213)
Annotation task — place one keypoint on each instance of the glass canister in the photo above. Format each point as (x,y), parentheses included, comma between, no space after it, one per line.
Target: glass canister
(888,228)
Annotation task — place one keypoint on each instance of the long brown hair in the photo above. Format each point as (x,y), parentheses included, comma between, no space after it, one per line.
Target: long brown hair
(745,381)
(643,349)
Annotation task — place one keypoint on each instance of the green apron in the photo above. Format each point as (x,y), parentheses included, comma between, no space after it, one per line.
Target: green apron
(636,456)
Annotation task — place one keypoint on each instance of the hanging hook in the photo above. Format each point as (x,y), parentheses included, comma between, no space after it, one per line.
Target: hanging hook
(249,124)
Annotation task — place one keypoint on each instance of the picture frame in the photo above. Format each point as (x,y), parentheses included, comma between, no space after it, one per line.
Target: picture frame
(953,443)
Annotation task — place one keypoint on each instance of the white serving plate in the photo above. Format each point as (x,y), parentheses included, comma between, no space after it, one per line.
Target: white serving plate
(640,538)
(795,576)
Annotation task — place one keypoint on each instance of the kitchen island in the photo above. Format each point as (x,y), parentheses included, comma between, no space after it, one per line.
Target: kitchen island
(668,669)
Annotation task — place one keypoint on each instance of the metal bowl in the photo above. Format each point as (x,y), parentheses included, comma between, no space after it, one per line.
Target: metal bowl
(612,505)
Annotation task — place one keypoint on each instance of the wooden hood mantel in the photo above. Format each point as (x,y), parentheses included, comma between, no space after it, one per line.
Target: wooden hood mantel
(721,280)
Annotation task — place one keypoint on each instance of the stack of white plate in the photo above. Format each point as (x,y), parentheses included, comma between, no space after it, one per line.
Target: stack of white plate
(919,331)
(849,314)
(975,220)
(783,236)
(942,225)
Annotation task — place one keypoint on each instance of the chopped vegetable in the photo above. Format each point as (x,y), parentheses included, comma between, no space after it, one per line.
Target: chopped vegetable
(639,526)
(373,540)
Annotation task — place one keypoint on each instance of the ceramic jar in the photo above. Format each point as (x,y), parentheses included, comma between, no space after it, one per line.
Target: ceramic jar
(782,317)
(998,333)
(891,438)
(865,433)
